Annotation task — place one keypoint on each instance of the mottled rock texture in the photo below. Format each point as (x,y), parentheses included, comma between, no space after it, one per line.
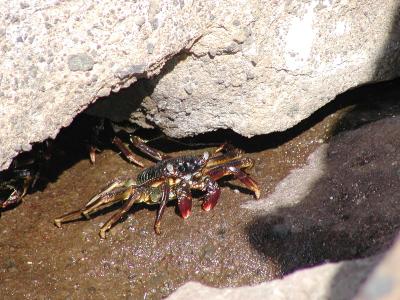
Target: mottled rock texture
(57,57)
(255,66)
(268,65)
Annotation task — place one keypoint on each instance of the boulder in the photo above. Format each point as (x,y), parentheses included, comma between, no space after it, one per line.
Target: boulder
(345,196)
(269,65)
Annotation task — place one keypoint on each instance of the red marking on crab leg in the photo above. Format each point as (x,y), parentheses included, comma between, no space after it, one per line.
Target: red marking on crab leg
(248,182)
(184,199)
(212,200)
(185,206)
(213,193)
(222,171)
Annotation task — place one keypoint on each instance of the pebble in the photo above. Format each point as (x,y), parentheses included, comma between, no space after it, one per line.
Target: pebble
(80,62)
(150,48)
(139,21)
(188,89)
(212,53)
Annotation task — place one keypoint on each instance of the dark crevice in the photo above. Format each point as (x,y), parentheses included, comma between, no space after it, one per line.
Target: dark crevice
(71,144)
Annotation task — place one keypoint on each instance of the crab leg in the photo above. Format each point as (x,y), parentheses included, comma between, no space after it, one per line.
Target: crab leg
(146,149)
(163,202)
(105,200)
(118,182)
(135,197)
(127,153)
(230,154)
(165,188)
(94,140)
(230,159)
(92,153)
(226,147)
(184,199)
(68,217)
(231,169)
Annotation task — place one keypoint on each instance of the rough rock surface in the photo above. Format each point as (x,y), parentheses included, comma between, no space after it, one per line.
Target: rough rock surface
(267,66)
(57,57)
(319,282)
(255,67)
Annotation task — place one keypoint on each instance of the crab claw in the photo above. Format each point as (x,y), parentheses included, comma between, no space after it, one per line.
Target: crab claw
(211,198)
(252,185)
(14,198)
(185,206)
(249,183)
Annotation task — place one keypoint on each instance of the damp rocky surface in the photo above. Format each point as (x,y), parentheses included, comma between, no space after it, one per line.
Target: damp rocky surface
(351,212)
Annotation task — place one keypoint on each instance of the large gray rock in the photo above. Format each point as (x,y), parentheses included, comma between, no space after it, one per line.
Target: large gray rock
(255,67)
(269,65)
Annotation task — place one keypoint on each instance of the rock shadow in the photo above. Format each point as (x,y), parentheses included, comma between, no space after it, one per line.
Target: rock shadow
(122,105)
(387,105)
(352,210)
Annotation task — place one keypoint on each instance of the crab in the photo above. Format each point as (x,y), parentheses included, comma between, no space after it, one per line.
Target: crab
(13,186)
(23,175)
(171,178)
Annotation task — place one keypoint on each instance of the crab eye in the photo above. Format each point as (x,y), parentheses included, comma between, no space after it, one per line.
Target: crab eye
(170,168)
(181,168)
(206,155)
